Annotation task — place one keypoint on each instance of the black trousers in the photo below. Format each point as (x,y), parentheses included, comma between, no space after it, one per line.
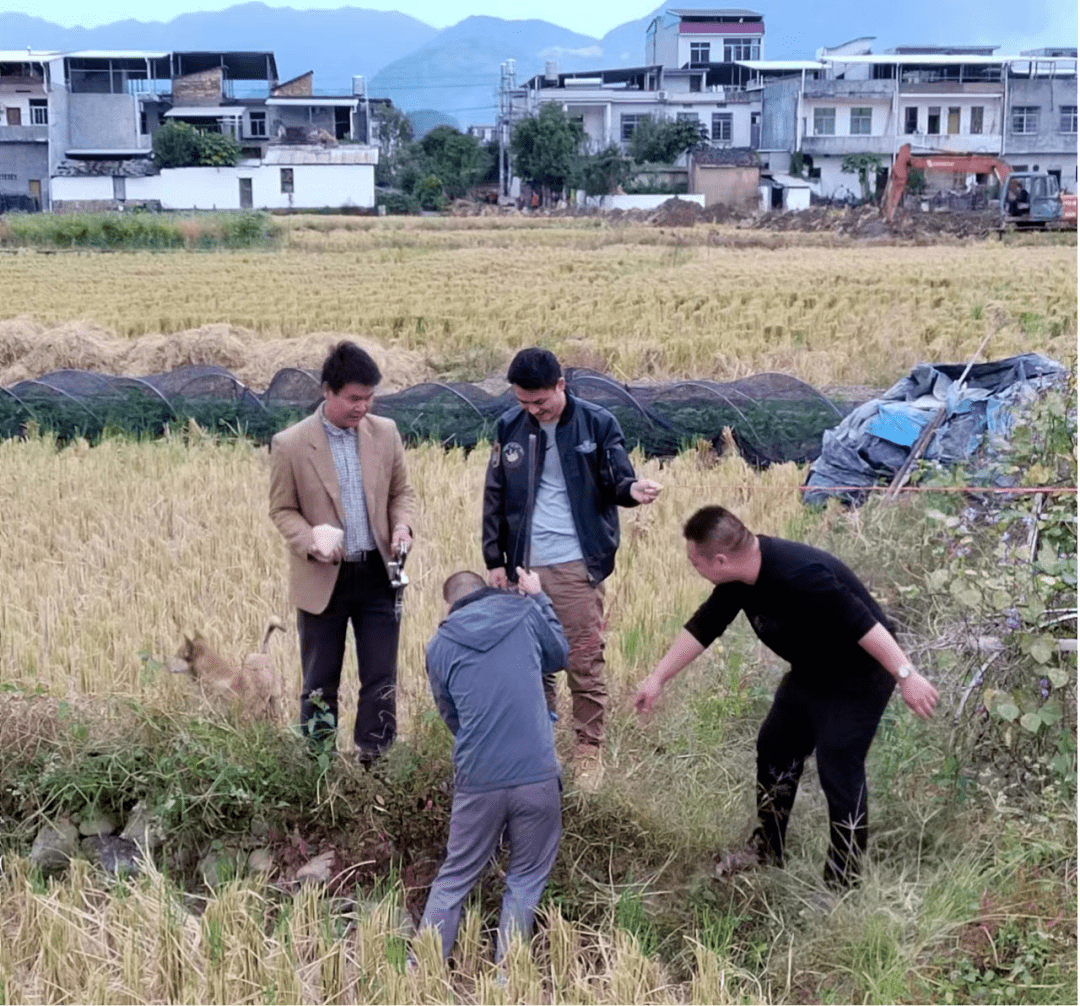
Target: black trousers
(840,728)
(362,595)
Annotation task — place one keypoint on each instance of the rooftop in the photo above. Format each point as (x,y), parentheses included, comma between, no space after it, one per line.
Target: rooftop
(713,12)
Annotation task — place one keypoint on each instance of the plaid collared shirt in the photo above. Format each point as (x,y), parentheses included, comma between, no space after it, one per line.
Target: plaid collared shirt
(344,448)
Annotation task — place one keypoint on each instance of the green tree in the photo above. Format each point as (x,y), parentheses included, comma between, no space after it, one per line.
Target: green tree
(547,147)
(862,165)
(181,145)
(601,173)
(217,150)
(429,192)
(393,133)
(453,156)
(176,145)
(659,140)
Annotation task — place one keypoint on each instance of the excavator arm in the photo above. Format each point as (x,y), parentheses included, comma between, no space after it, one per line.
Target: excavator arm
(968,164)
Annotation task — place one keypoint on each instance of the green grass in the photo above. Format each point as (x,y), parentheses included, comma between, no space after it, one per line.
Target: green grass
(137,231)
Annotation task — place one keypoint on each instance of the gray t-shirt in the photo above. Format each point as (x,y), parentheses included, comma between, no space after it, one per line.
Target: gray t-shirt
(554,537)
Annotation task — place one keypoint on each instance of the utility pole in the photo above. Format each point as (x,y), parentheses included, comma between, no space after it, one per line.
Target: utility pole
(507,73)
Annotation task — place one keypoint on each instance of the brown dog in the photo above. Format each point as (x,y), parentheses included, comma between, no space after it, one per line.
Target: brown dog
(252,688)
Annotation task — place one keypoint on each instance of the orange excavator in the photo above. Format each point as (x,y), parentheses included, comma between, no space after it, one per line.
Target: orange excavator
(1053,206)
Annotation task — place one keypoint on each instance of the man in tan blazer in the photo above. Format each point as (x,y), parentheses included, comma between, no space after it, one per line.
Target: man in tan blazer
(344,468)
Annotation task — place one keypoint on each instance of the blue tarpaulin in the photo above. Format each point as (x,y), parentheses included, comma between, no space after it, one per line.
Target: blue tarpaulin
(872,443)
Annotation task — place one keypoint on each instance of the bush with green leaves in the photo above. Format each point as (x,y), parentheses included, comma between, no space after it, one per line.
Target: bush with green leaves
(659,140)
(181,145)
(602,173)
(397,202)
(429,193)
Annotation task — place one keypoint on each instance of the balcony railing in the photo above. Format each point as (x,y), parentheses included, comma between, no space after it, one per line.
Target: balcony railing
(24,134)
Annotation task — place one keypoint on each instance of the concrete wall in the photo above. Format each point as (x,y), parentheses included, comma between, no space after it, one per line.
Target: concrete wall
(314,187)
(779,108)
(638,202)
(25,161)
(1049,94)
(726,184)
(104,122)
(85,189)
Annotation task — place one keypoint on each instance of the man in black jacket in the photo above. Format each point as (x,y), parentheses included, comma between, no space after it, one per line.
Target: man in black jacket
(559,470)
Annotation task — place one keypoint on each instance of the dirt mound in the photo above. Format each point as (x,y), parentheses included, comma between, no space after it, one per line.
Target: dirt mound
(867,222)
(28,350)
(676,213)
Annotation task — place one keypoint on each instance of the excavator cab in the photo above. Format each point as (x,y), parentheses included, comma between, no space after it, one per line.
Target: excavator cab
(1030,198)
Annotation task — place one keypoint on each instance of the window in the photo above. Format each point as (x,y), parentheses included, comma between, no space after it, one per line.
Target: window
(721,127)
(741,48)
(861,119)
(911,119)
(1068,119)
(954,121)
(976,120)
(695,82)
(628,123)
(1025,118)
(699,53)
(39,112)
(258,123)
(14,115)
(824,121)
(933,120)
(287,180)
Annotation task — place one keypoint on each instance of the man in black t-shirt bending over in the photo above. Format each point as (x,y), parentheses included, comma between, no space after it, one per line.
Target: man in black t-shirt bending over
(811,610)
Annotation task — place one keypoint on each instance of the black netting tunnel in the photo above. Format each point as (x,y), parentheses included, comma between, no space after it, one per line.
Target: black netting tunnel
(773,417)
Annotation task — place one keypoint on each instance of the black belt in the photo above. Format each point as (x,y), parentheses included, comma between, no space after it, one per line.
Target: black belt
(361,557)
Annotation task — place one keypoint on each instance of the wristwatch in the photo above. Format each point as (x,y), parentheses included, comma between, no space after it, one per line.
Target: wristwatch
(904,671)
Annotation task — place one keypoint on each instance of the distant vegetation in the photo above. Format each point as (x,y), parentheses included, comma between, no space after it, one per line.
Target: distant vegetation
(136,230)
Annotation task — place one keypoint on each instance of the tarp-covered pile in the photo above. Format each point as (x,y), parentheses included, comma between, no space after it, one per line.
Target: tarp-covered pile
(872,443)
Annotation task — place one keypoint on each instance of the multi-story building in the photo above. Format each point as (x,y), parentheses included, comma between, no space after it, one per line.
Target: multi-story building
(959,99)
(24,129)
(1040,124)
(692,73)
(90,119)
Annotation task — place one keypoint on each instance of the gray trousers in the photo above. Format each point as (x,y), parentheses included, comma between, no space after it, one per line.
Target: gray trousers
(533,816)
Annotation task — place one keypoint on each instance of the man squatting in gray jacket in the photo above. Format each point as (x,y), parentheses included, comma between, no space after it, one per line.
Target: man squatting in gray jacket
(486,664)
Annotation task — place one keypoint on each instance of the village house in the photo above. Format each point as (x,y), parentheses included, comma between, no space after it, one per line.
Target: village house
(958,99)
(692,73)
(24,129)
(91,118)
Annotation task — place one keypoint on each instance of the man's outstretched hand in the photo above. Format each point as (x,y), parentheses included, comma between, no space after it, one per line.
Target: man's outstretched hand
(920,695)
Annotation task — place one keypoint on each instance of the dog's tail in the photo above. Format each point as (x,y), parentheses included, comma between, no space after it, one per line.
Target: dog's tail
(274,623)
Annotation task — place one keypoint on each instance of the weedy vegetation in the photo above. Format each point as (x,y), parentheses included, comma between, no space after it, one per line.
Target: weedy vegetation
(112,552)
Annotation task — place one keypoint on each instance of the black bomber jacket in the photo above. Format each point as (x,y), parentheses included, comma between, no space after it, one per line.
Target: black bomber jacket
(598,477)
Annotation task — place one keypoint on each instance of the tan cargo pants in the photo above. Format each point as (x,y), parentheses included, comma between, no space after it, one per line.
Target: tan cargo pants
(580,607)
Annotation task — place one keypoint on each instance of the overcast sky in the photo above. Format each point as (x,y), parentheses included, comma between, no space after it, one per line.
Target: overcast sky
(589,17)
